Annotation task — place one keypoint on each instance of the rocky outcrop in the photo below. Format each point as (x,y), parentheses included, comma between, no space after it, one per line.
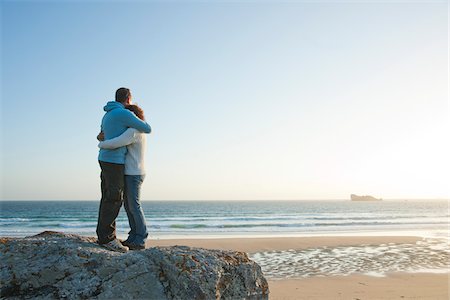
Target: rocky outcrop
(354,197)
(56,265)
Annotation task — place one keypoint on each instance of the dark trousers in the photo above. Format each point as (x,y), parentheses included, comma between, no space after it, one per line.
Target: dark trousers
(112,177)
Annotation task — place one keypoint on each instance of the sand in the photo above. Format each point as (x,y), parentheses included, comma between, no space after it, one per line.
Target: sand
(394,286)
(356,286)
(252,245)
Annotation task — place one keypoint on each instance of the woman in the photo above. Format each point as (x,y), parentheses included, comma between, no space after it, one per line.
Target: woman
(134,176)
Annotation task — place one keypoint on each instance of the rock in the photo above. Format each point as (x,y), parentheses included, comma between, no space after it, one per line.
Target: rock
(354,197)
(55,265)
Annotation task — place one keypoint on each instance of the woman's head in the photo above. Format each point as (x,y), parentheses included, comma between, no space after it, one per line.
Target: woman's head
(137,110)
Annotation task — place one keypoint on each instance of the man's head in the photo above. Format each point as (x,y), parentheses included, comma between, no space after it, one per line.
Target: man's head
(123,95)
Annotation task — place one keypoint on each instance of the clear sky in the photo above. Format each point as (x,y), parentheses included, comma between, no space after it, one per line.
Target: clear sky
(247,100)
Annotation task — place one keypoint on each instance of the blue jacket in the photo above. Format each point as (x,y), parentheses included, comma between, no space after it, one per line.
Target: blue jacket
(115,121)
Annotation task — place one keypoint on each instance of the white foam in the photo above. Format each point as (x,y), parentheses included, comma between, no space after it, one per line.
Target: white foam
(427,255)
(375,274)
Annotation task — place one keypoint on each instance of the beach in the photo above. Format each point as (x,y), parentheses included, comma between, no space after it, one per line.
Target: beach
(389,285)
(332,249)
(394,286)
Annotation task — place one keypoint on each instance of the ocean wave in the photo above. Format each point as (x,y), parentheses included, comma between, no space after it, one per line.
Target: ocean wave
(287,225)
(228,224)
(302,219)
(44,225)
(189,226)
(222,217)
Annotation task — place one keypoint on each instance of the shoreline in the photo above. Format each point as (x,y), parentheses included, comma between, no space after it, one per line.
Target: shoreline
(421,233)
(392,285)
(309,253)
(190,236)
(261,244)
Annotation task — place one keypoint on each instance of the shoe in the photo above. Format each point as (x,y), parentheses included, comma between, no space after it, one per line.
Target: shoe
(133,246)
(126,242)
(116,246)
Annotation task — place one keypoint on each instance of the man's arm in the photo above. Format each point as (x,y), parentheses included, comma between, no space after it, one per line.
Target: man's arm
(130,120)
(126,138)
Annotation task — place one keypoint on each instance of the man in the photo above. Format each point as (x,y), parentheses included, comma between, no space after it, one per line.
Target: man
(115,121)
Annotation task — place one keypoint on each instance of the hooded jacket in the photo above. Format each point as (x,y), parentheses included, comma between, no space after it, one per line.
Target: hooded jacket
(116,120)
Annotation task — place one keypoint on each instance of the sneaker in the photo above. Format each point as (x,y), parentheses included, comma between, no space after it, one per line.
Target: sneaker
(116,246)
(133,246)
(126,242)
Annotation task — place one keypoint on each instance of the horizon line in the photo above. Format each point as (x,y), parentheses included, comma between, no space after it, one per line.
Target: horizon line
(222,200)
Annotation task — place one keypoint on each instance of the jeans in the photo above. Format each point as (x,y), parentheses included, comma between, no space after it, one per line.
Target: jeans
(112,185)
(136,219)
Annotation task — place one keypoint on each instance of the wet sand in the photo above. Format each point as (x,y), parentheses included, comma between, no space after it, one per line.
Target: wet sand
(252,245)
(397,285)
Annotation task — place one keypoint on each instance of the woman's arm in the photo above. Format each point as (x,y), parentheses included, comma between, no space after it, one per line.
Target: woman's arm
(126,138)
(130,120)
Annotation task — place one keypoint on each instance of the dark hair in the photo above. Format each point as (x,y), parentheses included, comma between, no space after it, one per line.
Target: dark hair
(122,94)
(137,111)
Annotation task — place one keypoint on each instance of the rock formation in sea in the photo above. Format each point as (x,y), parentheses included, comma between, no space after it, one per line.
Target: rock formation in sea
(354,197)
(57,265)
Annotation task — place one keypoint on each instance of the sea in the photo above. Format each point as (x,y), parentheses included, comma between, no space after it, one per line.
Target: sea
(427,219)
(206,219)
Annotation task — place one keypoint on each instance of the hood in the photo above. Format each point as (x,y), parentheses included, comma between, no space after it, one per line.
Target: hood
(112,105)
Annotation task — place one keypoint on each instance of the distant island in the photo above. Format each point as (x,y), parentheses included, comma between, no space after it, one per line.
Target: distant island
(363,198)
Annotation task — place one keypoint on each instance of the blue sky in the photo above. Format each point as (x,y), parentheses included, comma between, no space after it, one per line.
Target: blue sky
(294,100)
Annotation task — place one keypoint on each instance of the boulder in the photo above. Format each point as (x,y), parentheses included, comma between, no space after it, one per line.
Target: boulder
(55,265)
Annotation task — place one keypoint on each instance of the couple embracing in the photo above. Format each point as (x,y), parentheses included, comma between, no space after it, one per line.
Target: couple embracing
(121,158)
